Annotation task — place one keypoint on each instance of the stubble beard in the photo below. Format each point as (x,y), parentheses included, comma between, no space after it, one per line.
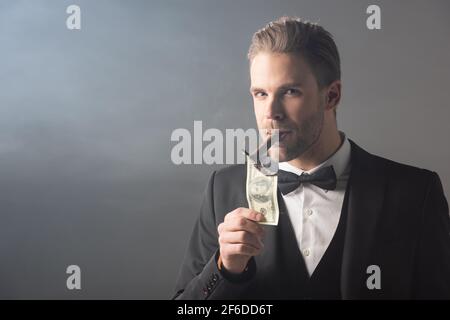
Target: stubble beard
(306,136)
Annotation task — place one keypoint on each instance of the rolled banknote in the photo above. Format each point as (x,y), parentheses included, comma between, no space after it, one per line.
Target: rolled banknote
(261,193)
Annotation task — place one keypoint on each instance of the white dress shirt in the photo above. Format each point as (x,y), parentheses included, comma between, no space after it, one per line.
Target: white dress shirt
(315,212)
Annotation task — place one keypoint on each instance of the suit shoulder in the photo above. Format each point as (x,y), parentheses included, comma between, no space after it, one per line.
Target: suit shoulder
(404,171)
(400,171)
(230,173)
(229,189)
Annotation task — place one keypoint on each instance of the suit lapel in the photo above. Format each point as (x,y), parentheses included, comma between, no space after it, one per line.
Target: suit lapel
(367,185)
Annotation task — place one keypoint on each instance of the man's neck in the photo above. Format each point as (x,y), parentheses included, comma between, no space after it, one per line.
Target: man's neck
(319,152)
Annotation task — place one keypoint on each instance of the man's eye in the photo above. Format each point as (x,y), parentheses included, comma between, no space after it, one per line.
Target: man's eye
(259,94)
(291,92)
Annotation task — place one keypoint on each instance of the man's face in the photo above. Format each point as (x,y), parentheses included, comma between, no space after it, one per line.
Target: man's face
(286,96)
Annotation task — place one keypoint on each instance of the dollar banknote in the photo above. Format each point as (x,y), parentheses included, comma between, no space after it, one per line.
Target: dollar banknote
(261,193)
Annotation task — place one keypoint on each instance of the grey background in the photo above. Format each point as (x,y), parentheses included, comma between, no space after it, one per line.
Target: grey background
(86,118)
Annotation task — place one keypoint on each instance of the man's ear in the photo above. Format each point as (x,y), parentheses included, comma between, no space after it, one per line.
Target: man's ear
(333,94)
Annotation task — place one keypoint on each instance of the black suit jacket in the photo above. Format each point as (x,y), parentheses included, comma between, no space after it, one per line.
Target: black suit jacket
(398,219)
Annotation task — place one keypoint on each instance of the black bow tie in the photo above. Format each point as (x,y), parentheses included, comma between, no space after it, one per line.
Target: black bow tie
(324,178)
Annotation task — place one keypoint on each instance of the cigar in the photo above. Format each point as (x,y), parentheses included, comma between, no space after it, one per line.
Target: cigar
(255,155)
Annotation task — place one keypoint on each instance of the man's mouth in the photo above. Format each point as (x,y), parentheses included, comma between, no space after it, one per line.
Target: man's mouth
(282,134)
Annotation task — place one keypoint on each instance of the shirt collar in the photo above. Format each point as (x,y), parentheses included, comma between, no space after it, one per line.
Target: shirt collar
(339,160)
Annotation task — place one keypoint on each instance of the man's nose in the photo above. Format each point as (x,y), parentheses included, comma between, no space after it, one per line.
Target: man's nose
(274,110)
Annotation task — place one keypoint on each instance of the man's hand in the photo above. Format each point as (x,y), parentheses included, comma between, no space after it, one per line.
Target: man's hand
(240,238)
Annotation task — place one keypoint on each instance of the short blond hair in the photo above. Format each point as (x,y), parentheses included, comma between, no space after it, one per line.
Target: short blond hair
(293,35)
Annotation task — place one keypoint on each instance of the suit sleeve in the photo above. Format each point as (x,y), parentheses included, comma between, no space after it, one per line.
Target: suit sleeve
(432,274)
(199,277)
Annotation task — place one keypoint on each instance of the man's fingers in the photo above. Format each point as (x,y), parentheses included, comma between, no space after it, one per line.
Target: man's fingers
(240,234)
(242,237)
(246,213)
(242,224)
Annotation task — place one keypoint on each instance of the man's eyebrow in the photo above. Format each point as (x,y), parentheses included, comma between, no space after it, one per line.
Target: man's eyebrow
(291,85)
(284,86)
(253,89)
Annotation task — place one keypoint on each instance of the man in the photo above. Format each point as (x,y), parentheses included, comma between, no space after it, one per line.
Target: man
(376,230)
